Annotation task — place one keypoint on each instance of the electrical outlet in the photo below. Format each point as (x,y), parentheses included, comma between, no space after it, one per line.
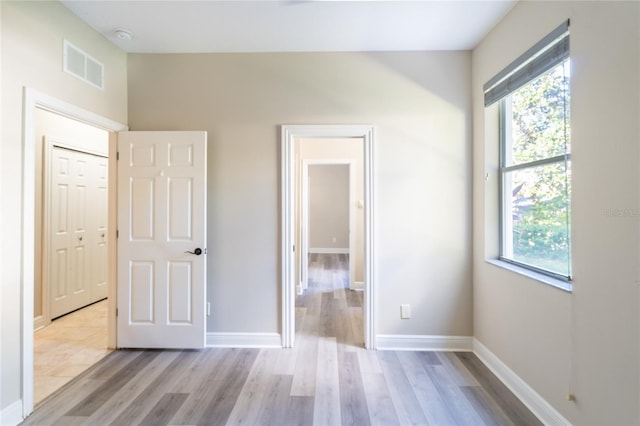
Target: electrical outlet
(405,311)
(334,239)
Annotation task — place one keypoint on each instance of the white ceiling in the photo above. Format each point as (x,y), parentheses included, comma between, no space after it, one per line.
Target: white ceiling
(177,26)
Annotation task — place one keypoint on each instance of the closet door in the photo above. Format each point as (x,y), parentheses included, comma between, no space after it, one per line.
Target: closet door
(68,284)
(77,225)
(98,219)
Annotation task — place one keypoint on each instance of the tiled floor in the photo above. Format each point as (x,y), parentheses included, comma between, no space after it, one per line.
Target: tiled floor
(67,347)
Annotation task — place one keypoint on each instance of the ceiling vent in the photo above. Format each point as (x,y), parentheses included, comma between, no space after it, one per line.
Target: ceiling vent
(81,65)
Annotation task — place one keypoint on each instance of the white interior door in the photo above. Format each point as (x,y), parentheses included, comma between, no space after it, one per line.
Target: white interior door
(162,232)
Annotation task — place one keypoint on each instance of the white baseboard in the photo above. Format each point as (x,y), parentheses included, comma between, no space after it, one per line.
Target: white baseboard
(330,250)
(529,397)
(244,340)
(38,323)
(12,415)
(401,342)
(357,285)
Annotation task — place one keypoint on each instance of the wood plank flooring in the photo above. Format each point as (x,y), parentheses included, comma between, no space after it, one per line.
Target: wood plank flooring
(327,379)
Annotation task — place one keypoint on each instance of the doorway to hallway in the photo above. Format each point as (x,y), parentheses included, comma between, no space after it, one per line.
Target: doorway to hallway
(319,136)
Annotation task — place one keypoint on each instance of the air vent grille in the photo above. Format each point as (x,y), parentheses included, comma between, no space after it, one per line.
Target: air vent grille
(83,66)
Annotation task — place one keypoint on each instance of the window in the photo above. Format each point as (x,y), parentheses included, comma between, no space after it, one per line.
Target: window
(535,191)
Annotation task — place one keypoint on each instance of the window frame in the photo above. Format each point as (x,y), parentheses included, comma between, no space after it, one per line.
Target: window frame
(547,54)
(502,171)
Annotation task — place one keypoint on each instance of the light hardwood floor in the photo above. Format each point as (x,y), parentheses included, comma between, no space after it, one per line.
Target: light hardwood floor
(67,347)
(327,379)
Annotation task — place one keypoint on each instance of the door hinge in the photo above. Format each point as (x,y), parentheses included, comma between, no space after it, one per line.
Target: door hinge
(294,247)
(117,155)
(116,311)
(117,233)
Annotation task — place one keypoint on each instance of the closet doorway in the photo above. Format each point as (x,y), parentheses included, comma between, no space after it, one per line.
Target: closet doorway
(71,250)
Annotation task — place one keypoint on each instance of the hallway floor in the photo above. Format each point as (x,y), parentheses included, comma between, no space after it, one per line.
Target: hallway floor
(67,347)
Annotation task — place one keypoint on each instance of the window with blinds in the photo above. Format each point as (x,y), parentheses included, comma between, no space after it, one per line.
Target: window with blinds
(535,156)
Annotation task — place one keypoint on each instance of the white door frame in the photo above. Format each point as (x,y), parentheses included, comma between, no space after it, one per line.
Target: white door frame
(304,215)
(289,135)
(32,100)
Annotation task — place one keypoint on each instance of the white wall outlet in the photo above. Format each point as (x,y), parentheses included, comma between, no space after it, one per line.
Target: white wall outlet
(405,311)
(334,239)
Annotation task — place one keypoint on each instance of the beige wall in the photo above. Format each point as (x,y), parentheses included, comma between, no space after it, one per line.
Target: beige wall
(420,104)
(75,135)
(328,206)
(587,341)
(31,49)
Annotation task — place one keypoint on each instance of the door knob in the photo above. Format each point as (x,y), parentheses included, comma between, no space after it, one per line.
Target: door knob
(197,251)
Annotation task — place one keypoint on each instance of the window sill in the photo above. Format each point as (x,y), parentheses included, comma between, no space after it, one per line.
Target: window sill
(553,282)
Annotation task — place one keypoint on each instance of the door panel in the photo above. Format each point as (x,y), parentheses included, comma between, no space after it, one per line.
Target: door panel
(141,287)
(99,223)
(180,213)
(81,285)
(71,252)
(60,239)
(142,204)
(59,276)
(161,218)
(180,289)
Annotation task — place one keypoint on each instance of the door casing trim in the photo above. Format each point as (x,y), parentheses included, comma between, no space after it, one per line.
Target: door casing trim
(289,134)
